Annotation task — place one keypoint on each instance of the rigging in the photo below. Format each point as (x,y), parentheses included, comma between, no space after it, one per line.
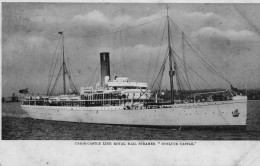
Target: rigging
(109,33)
(64,68)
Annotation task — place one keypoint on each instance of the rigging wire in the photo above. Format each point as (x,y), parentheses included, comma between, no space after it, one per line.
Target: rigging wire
(57,58)
(98,75)
(156,62)
(180,59)
(188,40)
(183,56)
(249,21)
(179,84)
(67,69)
(151,55)
(71,83)
(71,77)
(87,79)
(69,72)
(196,86)
(178,74)
(208,66)
(50,77)
(108,33)
(158,79)
(52,62)
(53,87)
(123,59)
(195,72)
(182,79)
(149,63)
(179,78)
(191,77)
(113,58)
(93,75)
(116,68)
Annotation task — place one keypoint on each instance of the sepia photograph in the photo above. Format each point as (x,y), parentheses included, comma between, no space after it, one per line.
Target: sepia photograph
(130,71)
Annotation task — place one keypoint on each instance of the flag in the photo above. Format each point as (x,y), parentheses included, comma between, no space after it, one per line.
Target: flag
(24,91)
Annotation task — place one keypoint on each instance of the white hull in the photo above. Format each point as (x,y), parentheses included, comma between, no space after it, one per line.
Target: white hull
(192,114)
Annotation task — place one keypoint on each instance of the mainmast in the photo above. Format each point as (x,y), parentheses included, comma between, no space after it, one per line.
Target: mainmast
(171,72)
(63,64)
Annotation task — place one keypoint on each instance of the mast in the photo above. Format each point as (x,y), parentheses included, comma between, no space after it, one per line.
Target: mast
(171,72)
(63,64)
(62,69)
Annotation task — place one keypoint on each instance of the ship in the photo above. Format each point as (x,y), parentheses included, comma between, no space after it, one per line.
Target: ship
(121,101)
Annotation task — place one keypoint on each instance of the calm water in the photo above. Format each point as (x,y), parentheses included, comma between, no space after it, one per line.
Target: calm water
(17,126)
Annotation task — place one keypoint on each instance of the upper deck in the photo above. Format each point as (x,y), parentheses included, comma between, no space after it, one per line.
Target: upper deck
(120,85)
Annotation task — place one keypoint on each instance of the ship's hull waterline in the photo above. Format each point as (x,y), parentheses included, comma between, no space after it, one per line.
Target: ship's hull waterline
(192,114)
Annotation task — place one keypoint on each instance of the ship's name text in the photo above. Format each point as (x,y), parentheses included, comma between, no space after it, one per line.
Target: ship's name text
(140,143)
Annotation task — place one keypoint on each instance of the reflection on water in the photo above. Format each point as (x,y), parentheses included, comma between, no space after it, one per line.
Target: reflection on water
(17,126)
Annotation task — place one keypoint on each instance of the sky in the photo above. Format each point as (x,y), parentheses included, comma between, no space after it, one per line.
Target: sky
(226,34)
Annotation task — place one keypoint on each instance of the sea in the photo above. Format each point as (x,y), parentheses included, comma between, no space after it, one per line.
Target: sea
(16,125)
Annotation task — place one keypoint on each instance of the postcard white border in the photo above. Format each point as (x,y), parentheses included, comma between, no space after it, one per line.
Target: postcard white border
(239,153)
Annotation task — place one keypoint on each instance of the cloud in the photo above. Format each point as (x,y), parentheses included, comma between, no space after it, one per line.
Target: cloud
(200,15)
(97,18)
(30,36)
(192,21)
(203,18)
(96,22)
(235,35)
(25,58)
(94,16)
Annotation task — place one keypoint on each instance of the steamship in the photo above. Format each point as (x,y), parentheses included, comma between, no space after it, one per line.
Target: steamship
(120,101)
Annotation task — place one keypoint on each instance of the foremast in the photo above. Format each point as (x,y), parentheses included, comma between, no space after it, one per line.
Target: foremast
(63,70)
